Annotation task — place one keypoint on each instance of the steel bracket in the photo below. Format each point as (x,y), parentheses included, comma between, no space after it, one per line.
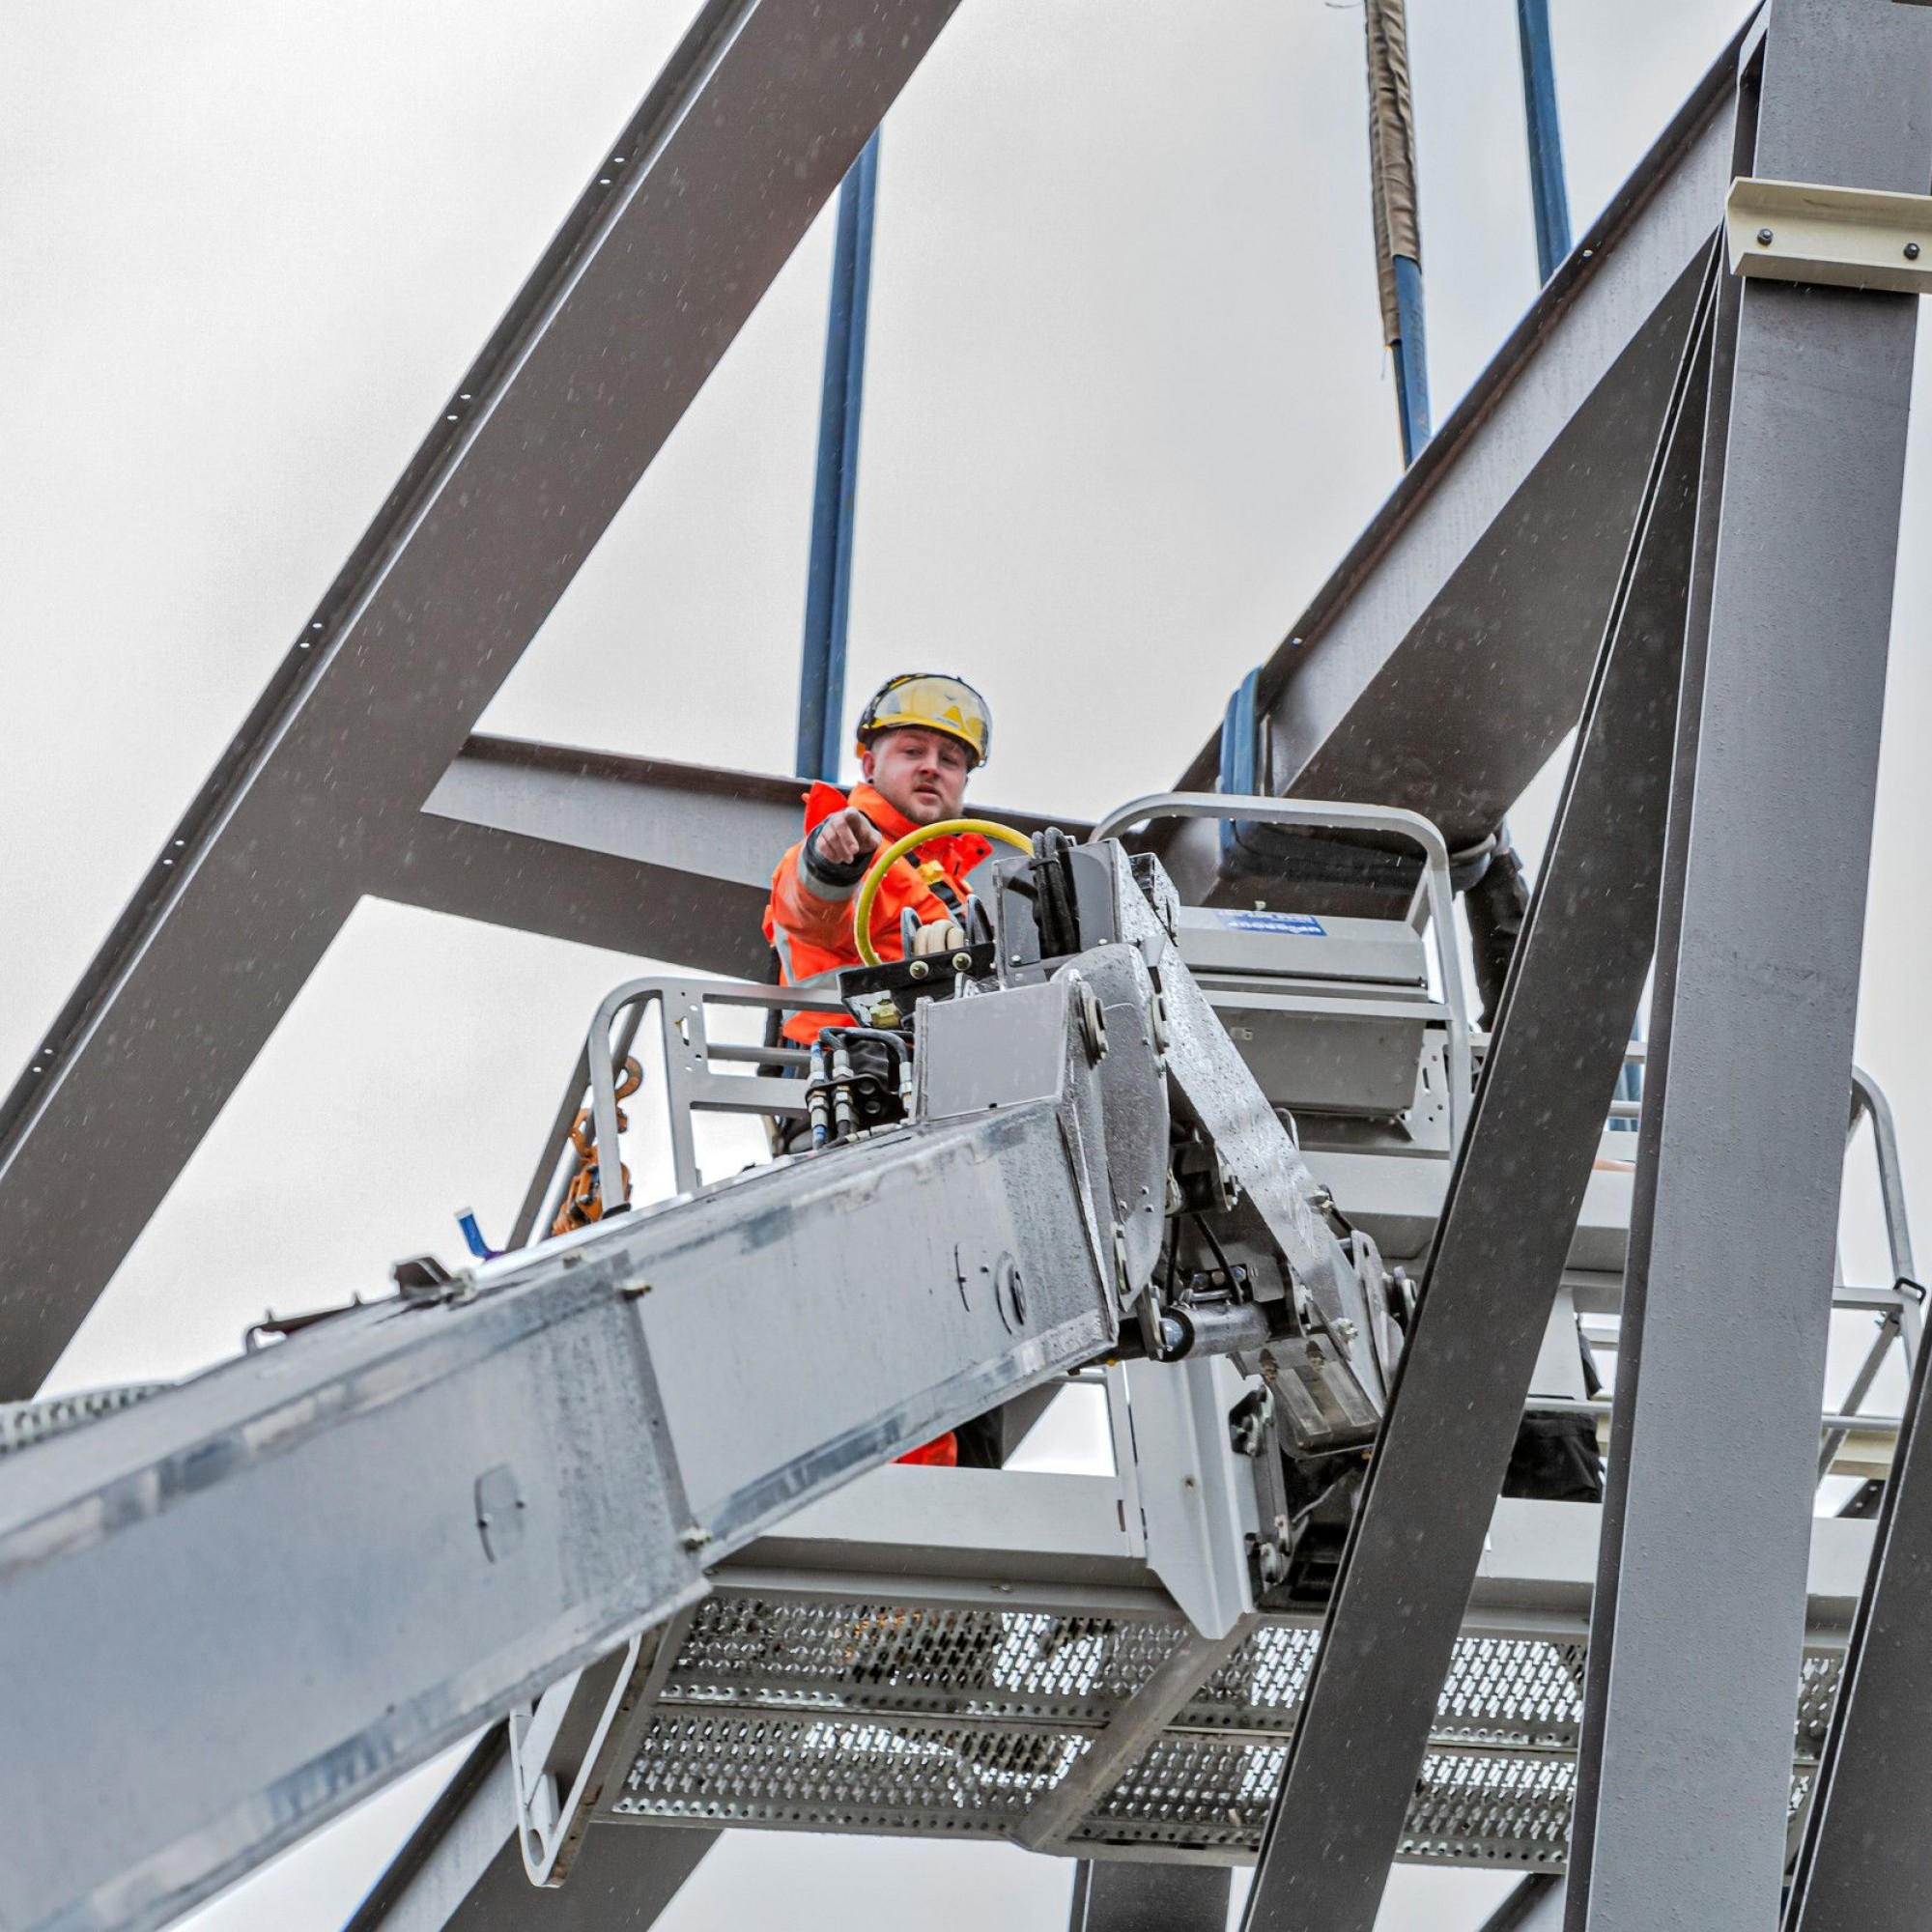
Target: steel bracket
(1196,1496)
(1847,238)
(548,1747)
(578,1739)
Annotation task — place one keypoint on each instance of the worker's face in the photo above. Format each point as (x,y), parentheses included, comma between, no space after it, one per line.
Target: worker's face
(924,773)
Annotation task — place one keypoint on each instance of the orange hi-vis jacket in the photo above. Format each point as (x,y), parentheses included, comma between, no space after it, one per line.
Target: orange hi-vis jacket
(809,920)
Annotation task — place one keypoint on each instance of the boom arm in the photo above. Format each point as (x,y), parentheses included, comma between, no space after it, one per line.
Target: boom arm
(310,1570)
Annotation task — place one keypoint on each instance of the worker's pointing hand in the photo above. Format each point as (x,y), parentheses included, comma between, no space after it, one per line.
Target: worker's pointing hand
(847,836)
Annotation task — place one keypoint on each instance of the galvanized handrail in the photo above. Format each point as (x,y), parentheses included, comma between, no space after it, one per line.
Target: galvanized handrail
(1898,1306)
(1340,815)
(689,1082)
(1902,1320)
(1868,1100)
(598,1073)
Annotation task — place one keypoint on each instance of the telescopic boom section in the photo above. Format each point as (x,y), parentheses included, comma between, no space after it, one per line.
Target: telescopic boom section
(313,1568)
(320,1564)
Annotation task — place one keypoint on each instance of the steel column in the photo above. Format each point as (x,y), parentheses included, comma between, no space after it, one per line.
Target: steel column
(1610,1542)
(1697,1629)
(1500,1246)
(693,211)
(623,1879)
(1110,1896)
(1548,197)
(1536,1905)
(828,597)
(445,1857)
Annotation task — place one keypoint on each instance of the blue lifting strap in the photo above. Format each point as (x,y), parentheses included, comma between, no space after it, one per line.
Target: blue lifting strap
(1241,757)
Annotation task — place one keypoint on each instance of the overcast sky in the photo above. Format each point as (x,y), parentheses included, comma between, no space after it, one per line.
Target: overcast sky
(1126,404)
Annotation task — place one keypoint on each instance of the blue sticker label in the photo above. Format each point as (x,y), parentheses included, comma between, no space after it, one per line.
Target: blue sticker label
(1302,922)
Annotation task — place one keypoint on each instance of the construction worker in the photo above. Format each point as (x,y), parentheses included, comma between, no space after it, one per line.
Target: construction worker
(920,739)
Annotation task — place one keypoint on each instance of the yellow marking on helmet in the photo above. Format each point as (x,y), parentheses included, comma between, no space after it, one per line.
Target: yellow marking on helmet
(932,699)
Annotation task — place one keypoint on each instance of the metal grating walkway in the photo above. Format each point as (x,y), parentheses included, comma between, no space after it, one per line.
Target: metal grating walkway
(867,1717)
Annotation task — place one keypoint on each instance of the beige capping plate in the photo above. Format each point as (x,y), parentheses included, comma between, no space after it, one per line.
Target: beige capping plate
(1850,238)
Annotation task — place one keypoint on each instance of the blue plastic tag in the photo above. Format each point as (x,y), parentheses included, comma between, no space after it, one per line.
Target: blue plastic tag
(1303,922)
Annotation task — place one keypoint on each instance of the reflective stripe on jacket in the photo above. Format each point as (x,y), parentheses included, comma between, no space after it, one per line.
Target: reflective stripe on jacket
(808,918)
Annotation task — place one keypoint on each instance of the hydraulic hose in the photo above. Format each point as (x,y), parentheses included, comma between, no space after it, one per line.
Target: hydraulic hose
(862,906)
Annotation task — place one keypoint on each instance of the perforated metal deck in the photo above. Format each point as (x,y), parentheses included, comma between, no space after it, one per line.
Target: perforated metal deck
(874,1717)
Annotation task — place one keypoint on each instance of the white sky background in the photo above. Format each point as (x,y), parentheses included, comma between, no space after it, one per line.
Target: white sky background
(1126,404)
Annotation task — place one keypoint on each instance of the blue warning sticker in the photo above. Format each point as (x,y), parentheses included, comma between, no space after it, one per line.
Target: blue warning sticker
(1302,922)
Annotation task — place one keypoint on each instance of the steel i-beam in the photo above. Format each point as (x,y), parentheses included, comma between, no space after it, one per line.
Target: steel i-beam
(1450,650)
(646,856)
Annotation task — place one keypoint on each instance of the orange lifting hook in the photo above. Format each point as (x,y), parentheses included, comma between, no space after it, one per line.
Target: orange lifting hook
(583,1199)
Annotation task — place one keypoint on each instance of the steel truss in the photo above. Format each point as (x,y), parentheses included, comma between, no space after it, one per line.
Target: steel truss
(766,103)
(1544,459)
(1797,529)
(1503,1236)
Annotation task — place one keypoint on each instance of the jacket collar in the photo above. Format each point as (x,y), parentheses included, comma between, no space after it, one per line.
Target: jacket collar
(881,811)
(823,800)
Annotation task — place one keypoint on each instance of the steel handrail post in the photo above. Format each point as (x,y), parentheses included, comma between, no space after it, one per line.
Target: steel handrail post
(1869,1095)
(611,1193)
(612,1190)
